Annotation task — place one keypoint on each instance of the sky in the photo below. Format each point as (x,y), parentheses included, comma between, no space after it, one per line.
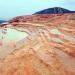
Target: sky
(13,8)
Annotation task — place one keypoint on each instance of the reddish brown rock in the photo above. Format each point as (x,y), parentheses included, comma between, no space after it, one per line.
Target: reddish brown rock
(49,49)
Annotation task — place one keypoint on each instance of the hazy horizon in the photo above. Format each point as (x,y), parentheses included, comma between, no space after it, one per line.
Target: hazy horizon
(13,8)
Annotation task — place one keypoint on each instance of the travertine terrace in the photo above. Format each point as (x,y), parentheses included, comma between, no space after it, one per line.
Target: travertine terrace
(49,48)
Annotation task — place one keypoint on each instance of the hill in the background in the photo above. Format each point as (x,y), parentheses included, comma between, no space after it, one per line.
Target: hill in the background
(55,10)
(2,21)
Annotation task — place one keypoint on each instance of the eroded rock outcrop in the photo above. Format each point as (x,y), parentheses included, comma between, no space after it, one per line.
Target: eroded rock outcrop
(47,50)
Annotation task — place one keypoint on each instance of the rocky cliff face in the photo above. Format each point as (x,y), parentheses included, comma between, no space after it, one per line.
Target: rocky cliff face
(49,48)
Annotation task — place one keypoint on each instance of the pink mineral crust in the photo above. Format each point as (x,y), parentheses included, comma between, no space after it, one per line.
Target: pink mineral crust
(49,48)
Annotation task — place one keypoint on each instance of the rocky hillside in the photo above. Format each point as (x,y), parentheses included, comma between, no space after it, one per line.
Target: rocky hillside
(55,10)
(48,19)
(49,48)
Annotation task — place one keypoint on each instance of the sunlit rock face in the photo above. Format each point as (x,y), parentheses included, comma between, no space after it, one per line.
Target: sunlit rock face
(40,49)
